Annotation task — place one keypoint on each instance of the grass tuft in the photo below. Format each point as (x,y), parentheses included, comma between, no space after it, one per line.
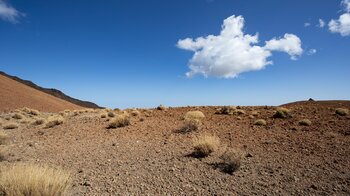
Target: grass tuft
(120,120)
(53,121)
(342,111)
(29,179)
(282,113)
(205,144)
(305,122)
(260,122)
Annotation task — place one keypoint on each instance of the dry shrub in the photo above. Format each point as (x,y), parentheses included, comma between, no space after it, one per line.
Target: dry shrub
(103,115)
(305,122)
(205,144)
(135,113)
(29,179)
(260,122)
(111,114)
(282,113)
(3,137)
(10,126)
(255,113)
(161,107)
(34,112)
(120,120)
(25,121)
(39,121)
(54,121)
(342,111)
(7,118)
(226,110)
(191,125)
(239,112)
(194,115)
(231,160)
(18,116)
(148,113)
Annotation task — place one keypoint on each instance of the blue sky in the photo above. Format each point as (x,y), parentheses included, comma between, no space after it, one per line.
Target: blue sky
(126,53)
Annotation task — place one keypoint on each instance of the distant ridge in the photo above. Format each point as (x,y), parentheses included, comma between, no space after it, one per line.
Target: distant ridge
(53,92)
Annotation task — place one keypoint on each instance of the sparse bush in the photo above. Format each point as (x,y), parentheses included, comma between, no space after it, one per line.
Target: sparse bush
(54,121)
(161,107)
(10,126)
(18,116)
(231,160)
(255,113)
(39,121)
(34,112)
(282,113)
(260,122)
(342,111)
(194,115)
(305,122)
(111,114)
(121,120)
(226,110)
(29,179)
(205,144)
(3,137)
(191,125)
(103,115)
(239,111)
(148,113)
(135,113)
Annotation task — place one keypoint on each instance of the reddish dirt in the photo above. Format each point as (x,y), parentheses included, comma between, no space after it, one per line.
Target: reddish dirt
(150,157)
(15,95)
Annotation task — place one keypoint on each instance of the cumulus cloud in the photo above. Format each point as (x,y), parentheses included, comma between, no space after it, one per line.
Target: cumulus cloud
(346,4)
(342,24)
(9,13)
(321,23)
(232,51)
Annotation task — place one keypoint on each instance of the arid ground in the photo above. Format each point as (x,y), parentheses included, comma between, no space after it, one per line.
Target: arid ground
(151,156)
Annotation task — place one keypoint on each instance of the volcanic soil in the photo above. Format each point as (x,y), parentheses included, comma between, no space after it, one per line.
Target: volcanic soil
(151,156)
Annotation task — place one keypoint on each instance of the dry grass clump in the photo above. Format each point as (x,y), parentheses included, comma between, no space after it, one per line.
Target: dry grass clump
(191,125)
(282,113)
(231,160)
(161,107)
(3,137)
(39,121)
(29,111)
(10,126)
(342,111)
(226,110)
(120,120)
(54,121)
(33,180)
(104,115)
(305,122)
(260,122)
(135,113)
(205,144)
(148,113)
(18,116)
(194,115)
(255,113)
(111,114)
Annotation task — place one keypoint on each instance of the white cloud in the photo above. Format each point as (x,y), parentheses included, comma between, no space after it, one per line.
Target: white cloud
(321,23)
(290,44)
(341,25)
(9,13)
(311,52)
(232,52)
(307,24)
(346,4)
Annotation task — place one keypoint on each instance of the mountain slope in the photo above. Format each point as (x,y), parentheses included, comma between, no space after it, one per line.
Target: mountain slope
(14,94)
(53,92)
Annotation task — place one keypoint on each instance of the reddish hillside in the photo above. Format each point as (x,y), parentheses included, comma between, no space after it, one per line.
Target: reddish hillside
(15,95)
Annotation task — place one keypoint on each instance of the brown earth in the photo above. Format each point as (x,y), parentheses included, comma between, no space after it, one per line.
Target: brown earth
(150,156)
(53,92)
(15,95)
